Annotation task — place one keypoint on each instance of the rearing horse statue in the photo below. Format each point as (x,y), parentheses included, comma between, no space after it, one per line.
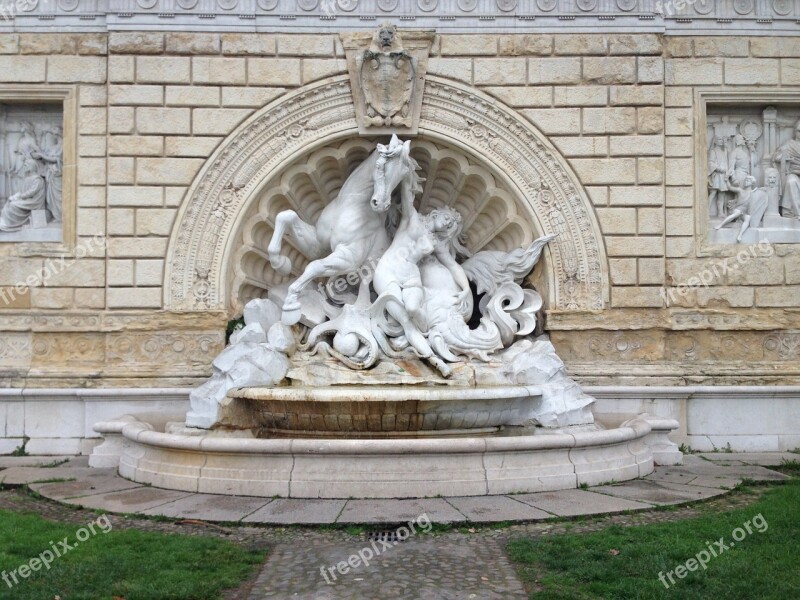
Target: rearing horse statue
(350,230)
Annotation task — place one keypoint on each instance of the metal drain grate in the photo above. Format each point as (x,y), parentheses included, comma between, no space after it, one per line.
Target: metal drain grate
(385,535)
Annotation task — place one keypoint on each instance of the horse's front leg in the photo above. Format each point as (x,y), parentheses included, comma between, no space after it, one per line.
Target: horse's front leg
(303,235)
(342,260)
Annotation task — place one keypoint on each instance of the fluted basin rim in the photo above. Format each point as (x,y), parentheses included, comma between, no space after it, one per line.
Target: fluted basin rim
(385,393)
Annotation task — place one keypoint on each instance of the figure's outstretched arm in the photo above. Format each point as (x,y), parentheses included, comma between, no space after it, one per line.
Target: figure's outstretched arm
(444,256)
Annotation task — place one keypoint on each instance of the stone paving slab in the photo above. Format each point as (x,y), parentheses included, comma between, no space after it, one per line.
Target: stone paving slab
(492,509)
(756,473)
(209,507)
(420,568)
(715,481)
(657,492)
(570,503)
(27,475)
(6,462)
(129,501)
(97,481)
(399,511)
(764,459)
(286,511)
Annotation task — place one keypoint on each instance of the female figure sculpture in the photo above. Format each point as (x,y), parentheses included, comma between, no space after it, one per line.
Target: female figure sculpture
(398,280)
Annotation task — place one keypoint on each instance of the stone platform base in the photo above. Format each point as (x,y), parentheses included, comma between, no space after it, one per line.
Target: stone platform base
(378,468)
(699,478)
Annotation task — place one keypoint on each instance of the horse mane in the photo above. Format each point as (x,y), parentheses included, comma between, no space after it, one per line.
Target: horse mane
(416,180)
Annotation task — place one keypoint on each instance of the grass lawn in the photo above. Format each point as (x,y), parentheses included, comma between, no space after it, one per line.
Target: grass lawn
(625,562)
(129,565)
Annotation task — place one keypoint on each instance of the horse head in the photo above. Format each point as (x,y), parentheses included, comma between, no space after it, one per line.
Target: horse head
(392,166)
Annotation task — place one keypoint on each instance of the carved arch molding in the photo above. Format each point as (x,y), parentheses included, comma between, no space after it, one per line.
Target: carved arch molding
(217,225)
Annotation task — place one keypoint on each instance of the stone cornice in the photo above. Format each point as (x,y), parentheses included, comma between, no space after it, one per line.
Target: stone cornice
(720,17)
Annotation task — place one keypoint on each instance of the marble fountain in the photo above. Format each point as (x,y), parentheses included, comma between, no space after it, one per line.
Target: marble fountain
(396,364)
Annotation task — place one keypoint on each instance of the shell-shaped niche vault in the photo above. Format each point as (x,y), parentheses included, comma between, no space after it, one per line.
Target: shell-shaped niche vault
(492,220)
(479,156)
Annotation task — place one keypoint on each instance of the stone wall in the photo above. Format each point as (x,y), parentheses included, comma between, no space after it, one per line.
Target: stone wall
(153,107)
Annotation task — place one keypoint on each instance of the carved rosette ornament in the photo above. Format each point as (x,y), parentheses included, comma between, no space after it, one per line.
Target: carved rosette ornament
(201,262)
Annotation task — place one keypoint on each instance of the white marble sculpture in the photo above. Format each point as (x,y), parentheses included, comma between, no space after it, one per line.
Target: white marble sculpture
(754,175)
(787,161)
(418,298)
(717,176)
(750,205)
(33,177)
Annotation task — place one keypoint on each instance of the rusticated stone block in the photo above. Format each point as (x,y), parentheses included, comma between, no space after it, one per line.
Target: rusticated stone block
(135,43)
(721,46)
(650,119)
(134,297)
(248,44)
(273,71)
(305,45)
(609,70)
(581,45)
(499,71)
(555,120)
(167,171)
(650,221)
(192,43)
(774,47)
(22,69)
(135,145)
(163,69)
(617,220)
(751,71)
(605,171)
(634,44)
(466,45)
(192,95)
(76,69)
(609,120)
(637,297)
(554,70)
(163,120)
(219,70)
(696,71)
(136,95)
(525,45)
(217,121)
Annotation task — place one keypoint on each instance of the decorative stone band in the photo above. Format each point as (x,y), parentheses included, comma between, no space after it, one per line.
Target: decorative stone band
(550,196)
(720,17)
(406,468)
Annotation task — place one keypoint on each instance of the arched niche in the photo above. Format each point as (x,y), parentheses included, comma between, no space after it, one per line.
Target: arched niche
(481,157)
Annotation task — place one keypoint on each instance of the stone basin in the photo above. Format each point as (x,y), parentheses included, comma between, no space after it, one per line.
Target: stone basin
(378,411)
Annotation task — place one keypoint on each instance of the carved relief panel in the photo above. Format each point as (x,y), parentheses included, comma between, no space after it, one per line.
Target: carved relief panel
(752,174)
(31,172)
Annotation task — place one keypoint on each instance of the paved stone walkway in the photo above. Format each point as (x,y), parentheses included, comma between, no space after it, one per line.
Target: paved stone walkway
(467,561)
